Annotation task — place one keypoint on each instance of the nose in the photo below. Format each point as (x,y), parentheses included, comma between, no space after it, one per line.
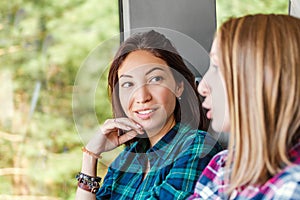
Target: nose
(203,88)
(142,95)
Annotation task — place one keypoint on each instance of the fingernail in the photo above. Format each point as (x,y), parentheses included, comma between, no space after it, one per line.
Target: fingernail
(139,126)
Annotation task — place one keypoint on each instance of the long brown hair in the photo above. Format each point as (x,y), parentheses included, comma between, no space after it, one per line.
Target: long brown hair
(189,110)
(261,67)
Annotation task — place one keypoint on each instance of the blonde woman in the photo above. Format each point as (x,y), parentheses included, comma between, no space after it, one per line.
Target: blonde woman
(252,91)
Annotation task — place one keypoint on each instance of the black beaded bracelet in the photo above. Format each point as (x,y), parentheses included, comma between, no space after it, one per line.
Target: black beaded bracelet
(88,183)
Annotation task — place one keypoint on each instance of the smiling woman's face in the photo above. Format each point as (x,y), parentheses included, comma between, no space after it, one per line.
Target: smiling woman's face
(147,90)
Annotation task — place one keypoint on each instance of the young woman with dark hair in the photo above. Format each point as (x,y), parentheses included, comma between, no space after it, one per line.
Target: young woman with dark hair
(158,114)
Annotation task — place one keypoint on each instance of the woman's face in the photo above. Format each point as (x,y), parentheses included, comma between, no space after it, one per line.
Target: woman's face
(212,87)
(147,90)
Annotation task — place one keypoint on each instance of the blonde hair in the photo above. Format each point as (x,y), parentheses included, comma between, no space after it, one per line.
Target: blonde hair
(261,66)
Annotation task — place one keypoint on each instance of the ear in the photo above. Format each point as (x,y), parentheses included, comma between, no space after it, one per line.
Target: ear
(179,89)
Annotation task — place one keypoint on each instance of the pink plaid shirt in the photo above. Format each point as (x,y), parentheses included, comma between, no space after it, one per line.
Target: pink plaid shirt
(283,186)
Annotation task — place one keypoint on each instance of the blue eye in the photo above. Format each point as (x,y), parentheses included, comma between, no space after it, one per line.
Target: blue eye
(126,85)
(156,79)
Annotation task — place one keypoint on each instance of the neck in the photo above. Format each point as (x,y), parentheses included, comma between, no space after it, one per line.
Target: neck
(167,127)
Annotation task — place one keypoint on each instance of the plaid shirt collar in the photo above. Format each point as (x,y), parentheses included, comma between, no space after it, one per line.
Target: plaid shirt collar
(162,148)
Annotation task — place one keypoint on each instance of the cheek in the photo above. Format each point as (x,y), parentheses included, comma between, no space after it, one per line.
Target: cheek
(226,106)
(220,106)
(166,98)
(227,116)
(125,100)
(159,95)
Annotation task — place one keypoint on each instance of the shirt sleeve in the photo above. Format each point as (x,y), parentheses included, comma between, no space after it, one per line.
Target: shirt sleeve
(181,179)
(105,190)
(290,188)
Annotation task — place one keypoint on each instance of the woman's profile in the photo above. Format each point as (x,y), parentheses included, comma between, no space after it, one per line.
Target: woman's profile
(252,91)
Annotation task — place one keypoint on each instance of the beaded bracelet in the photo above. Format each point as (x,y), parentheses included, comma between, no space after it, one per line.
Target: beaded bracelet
(91,153)
(88,183)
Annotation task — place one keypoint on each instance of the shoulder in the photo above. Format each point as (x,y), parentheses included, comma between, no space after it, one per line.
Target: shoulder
(286,185)
(218,162)
(290,174)
(215,170)
(211,183)
(198,139)
(195,135)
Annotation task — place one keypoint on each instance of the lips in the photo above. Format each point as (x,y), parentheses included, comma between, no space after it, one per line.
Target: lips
(209,114)
(208,108)
(144,113)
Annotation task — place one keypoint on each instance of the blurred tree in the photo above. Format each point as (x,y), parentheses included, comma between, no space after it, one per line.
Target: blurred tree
(42,45)
(235,8)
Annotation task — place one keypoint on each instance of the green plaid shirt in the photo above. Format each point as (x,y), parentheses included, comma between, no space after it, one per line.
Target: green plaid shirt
(176,163)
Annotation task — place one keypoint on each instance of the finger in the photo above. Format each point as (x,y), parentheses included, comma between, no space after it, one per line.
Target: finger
(127,136)
(125,124)
(112,125)
(131,123)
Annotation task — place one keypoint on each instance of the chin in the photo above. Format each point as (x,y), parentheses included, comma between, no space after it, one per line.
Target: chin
(153,128)
(217,127)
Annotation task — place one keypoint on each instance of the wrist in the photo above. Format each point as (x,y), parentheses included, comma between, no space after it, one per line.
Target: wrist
(92,154)
(96,151)
(89,164)
(88,183)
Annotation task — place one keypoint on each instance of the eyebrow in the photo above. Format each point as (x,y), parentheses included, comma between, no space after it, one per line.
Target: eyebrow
(153,69)
(150,71)
(124,75)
